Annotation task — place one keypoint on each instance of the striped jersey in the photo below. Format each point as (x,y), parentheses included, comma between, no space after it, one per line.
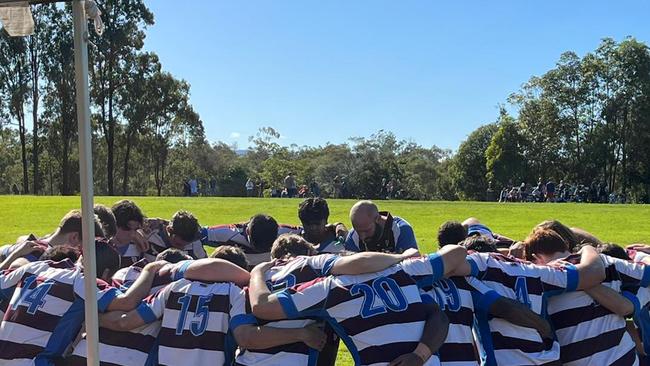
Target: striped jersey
(135,347)
(380,316)
(396,238)
(298,270)
(640,297)
(590,334)
(196,318)
(456,296)
(502,342)
(129,254)
(159,241)
(46,311)
(235,234)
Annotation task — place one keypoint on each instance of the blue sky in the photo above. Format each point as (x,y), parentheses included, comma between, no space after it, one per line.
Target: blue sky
(323,71)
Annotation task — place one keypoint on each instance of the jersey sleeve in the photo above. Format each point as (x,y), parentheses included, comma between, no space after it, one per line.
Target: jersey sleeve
(9,279)
(482,295)
(632,273)
(478,263)
(105,292)
(153,306)
(238,314)
(322,263)
(406,238)
(351,243)
(430,266)
(557,279)
(219,234)
(306,299)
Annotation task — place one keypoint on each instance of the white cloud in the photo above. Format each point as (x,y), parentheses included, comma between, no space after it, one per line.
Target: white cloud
(235,135)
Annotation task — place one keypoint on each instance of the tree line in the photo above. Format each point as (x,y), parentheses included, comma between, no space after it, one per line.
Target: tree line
(585,120)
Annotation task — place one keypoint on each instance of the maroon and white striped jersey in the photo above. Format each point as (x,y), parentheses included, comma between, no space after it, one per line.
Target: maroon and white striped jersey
(502,342)
(135,347)
(285,275)
(196,318)
(590,334)
(46,310)
(380,316)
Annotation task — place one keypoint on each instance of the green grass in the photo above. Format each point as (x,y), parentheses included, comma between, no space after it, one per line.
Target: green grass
(621,224)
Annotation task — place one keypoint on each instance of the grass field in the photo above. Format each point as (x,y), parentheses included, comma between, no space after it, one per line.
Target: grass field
(621,224)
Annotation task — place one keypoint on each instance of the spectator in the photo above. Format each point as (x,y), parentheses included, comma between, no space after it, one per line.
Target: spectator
(290,185)
(550,191)
(213,186)
(194,187)
(314,188)
(250,187)
(337,187)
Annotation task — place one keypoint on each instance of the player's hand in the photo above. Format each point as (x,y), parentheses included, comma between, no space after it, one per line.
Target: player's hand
(409,359)
(314,337)
(155,266)
(639,248)
(341,231)
(517,250)
(153,224)
(264,266)
(410,253)
(27,247)
(142,242)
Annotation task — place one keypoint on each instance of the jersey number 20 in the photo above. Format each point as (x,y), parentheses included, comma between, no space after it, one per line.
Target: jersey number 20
(201,315)
(390,296)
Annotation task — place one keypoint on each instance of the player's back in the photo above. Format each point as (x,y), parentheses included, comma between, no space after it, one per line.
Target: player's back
(285,275)
(502,342)
(380,316)
(45,313)
(589,333)
(454,296)
(196,319)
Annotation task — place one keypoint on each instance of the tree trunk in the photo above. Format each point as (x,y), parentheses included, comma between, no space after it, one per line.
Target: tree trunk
(111,145)
(23,151)
(35,95)
(125,181)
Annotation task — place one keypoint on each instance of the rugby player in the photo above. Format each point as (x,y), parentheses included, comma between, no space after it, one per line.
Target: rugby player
(378,231)
(590,325)
(46,309)
(502,342)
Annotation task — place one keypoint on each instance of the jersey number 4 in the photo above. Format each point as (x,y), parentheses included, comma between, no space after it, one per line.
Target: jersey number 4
(390,296)
(34,298)
(201,315)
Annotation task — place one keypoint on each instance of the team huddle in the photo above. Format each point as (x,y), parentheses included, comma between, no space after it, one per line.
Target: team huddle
(275,294)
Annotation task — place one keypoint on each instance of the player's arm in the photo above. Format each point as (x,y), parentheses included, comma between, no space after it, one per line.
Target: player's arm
(121,321)
(215,270)
(591,270)
(262,337)
(611,300)
(454,259)
(264,304)
(433,336)
(21,250)
(140,288)
(519,314)
(369,262)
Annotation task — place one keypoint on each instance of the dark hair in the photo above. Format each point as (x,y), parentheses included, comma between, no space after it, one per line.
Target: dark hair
(263,230)
(71,223)
(480,243)
(61,252)
(291,244)
(544,241)
(185,225)
(172,255)
(106,219)
(613,250)
(126,211)
(107,257)
(562,230)
(231,254)
(451,232)
(313,210)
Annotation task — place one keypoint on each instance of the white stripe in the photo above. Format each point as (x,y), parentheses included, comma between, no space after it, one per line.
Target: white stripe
(18,362)
(516,357)
(590,329)
(192,357)
(251,358)
(390,333)
(19,333)
(607,357)
(217,321)
(514,331)
(459,334)
(118,355)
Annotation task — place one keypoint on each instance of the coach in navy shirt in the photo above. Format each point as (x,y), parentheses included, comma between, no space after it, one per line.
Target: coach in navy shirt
(378,231)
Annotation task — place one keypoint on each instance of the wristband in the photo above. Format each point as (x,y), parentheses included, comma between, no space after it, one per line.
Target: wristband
(422,351)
